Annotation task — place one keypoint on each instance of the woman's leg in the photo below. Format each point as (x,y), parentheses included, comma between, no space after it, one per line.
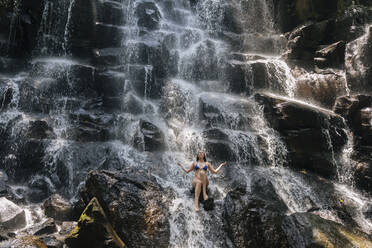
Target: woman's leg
(205,183)
(197,194)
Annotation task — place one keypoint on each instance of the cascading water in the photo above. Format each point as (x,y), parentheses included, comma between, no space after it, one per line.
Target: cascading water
(181,74)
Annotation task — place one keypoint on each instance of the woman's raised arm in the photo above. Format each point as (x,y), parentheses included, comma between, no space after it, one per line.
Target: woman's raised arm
(215,171)
(189,170)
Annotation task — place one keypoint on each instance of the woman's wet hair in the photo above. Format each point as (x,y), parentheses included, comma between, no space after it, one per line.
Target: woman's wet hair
(197,157)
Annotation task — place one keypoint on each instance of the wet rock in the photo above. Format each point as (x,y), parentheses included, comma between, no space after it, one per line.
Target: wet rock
(311,134)
(148,137)
(81,37)
(292,13)
(252,217)
(303,41)
(367,211)
(27,242)
(89,127)
(6,95)
(256,216)
(109,83)
(218,111)
(67,227)
(218,146)
(58,208)
(52,242)
(148,15)
(363,170)
(132,104)
(358,63)
(11,216)
(202,63)
(110,12)
(357,110)
(333,54)
(93,229)
(320,88)
(41,187)
(135,205)
(48,227)
(305,229)
(40,129)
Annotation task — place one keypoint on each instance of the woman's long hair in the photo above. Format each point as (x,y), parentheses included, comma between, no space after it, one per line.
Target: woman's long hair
(197,157)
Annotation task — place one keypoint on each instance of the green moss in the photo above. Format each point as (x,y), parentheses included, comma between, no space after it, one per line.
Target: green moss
(93,228)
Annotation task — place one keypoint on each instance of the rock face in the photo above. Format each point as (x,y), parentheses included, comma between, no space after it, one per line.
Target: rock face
(134,204)
(11,216)
(313,135)
(256,217)
(94,229)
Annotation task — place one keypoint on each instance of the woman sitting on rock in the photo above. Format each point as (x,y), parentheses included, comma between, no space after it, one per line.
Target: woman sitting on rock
(201,166)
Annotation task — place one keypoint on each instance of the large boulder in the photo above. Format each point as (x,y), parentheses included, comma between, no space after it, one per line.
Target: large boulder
(94,229)
(58,208)
(252,213)
(135,205)
(255,216)
(313,136)
(11,216)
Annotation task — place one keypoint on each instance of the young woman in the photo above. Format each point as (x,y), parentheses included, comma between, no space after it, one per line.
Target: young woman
(201,166)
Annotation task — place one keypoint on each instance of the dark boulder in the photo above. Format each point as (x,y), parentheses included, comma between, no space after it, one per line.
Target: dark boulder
(304,40)
(148,137)
(309,230)
(135,206)
(357,110)
(40,129)
(94,229)
(148,15)
(58,208)
(333,55)
(313,136)
(47,227)
(253,214)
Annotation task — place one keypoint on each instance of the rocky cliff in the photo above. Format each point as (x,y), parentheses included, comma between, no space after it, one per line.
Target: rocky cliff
(100,99)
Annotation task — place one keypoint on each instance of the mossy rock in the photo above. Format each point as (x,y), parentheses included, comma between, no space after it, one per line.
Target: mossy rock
(93,229)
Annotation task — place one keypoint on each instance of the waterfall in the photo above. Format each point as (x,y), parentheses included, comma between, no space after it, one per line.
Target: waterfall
(163,80)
